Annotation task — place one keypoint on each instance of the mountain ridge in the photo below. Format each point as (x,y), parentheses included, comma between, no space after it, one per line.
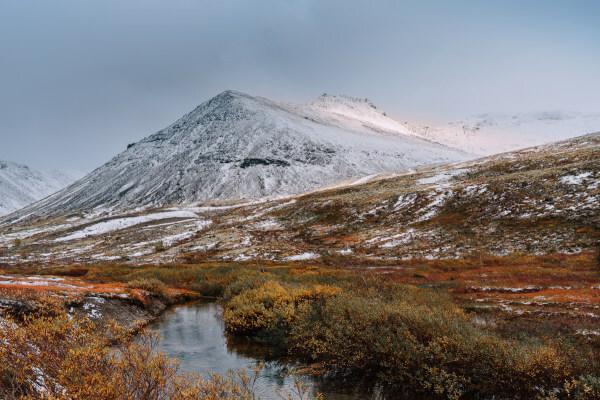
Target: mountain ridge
(543,200)
(234,147)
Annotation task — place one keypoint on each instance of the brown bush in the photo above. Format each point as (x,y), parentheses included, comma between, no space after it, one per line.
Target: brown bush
(59,357)
(270,307)
(418,339)
(150,285)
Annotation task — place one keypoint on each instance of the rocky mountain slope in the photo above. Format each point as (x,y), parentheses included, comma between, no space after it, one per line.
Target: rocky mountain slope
(542,200)
(236,146)
(21,185)
(493,133)
(513,237)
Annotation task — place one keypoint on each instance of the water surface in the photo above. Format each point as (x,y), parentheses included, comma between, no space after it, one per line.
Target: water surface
(195,335)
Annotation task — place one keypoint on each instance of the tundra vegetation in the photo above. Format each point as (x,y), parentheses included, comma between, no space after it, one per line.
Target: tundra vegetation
(410,339)
(51,355)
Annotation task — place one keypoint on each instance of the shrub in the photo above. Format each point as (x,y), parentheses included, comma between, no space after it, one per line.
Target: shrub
(584,388)
(159,246)
(208,288)
(244,280)
(59,357)
(270,309)
(151,285)
(421,342)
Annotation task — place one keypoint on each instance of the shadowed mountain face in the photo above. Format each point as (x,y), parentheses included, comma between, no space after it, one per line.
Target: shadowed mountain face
(236,146)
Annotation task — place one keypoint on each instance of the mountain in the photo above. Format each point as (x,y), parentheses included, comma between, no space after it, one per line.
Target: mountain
(493,133)
(235,146)
(21,185)
(538,201)
(352,113)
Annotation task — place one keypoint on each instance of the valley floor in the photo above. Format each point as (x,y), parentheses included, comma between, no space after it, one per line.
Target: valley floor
(473,280)
(544,306)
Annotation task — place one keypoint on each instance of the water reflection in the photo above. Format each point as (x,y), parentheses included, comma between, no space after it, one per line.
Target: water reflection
(194,334)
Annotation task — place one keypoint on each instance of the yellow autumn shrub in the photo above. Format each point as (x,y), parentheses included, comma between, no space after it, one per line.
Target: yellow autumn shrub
(418,339)
(270,306)
(59,357)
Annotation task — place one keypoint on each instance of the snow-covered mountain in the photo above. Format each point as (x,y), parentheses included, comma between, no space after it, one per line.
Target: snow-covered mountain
(494,133)
(21,185)
(235,146)
(351,113)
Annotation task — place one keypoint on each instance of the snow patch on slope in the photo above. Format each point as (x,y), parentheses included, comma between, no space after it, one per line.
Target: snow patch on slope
(122,223)
(575,179)
(303,257)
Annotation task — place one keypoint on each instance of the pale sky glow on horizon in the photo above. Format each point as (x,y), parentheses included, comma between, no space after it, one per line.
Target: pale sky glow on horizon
(80,80)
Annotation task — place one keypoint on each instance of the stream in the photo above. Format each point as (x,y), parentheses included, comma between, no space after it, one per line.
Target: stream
(194,334)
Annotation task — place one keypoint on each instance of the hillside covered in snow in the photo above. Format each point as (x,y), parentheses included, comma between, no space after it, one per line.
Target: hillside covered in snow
(542,200)
(493,133)
(239,147)
(21,185)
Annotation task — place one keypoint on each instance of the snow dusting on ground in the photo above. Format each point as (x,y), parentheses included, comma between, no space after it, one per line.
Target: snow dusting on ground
(122,223)
(575,179)
(441,178)
(303,256)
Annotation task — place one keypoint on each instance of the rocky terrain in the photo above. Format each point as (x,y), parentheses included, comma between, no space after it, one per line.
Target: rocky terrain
(540,200)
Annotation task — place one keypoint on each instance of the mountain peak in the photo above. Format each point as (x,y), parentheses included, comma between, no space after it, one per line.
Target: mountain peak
(232,101)
(227,98)
(355,107)
(10,164)
(230,94)
(356,113)
(236,146)
(342,99)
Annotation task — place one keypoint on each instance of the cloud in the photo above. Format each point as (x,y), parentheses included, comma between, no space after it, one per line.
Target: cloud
(80,80)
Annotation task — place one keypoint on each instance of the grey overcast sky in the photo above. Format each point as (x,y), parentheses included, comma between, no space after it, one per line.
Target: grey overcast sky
(81,79)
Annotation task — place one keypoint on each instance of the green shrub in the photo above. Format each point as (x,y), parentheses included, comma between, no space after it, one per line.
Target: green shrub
(149,284)
(269,311)
(159,246)
(244,280)
(420,341)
